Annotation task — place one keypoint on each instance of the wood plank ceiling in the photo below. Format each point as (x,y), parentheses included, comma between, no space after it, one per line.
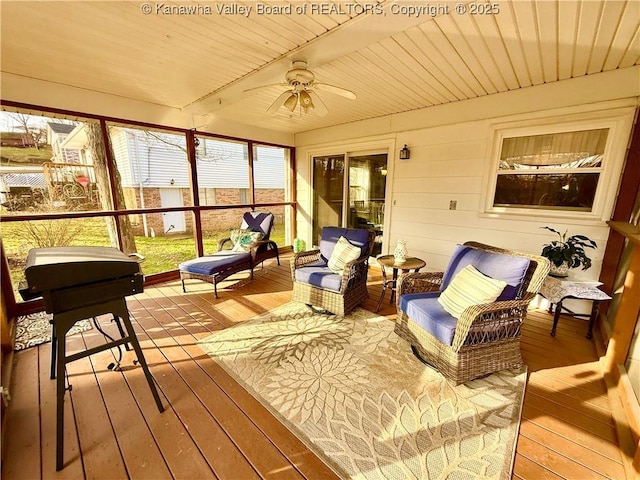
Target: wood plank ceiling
(394,60)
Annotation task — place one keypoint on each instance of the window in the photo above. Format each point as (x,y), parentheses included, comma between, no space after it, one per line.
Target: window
(567,169)
(207,196)
(551,171)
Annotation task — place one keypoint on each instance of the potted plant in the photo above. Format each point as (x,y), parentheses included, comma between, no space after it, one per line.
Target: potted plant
(567,252)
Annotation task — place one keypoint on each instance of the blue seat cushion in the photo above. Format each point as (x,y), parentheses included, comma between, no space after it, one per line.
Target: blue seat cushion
(330,235)
(508,268)
(425,310)
(319,275)
(218,262)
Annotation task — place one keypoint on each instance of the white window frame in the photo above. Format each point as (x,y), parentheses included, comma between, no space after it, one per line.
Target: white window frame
(619,123)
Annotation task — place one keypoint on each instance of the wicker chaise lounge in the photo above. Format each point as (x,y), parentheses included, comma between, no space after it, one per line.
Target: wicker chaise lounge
(225,262)
(317,285)
(486,337)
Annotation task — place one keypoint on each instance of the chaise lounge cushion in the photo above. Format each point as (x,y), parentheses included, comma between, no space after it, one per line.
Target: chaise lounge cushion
(508,268)
(219,261)
(319,275)
(425,310)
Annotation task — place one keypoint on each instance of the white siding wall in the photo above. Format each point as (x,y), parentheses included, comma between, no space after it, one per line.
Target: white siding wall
(226,165)
(451,149)
(121,156)
(269,167)
(158,163)
(221,164)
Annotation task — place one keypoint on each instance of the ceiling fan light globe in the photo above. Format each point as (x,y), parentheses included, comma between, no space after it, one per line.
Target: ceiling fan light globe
(291,102)
(305,100)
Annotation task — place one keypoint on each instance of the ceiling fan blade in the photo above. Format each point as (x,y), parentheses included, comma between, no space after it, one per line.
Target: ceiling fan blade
(319,106)
(264,87)
(273,108)
(343,92)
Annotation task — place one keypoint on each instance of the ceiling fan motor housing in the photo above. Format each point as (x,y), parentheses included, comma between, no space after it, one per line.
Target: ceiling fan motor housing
(299,75)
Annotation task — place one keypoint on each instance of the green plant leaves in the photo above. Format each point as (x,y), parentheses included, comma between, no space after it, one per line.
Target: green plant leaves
(570,250)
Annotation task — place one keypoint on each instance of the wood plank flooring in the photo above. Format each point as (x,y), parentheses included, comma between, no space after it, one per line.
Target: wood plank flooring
(212,428)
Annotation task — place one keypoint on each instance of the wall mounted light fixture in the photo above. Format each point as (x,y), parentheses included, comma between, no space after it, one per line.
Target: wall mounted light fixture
(404,153)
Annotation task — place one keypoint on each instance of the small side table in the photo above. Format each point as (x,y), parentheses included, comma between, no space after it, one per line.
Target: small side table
(389,261)
(556,290)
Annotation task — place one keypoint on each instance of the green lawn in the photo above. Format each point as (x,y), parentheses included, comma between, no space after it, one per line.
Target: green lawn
(15,156)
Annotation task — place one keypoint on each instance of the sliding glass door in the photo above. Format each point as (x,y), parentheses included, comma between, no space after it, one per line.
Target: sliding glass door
(363,188)
(328,192)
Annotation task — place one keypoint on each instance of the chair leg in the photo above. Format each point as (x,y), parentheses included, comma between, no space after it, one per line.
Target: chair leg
(184,290)
(215,287)
(54,350)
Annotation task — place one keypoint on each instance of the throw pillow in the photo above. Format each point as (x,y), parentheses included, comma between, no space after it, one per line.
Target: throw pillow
(469,287)
(343,253)
(244,240)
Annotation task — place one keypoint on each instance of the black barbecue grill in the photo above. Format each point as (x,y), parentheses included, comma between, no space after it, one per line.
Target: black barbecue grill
(77,283)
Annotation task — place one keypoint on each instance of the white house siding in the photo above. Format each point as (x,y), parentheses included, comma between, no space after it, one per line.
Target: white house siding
(121,155)
(157,160)
(451,155)
(269,168)
(221,164)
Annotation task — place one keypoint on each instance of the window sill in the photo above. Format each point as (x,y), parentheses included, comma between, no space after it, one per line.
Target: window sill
(581,218)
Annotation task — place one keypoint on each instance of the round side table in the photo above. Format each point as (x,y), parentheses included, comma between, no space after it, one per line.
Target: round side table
(389,261)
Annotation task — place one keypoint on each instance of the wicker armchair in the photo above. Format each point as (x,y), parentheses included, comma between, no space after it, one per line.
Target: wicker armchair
(224,262)
(317,286)
(487,336)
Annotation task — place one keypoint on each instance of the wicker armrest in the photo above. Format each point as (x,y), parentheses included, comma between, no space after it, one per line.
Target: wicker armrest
(222,242)
(303,258)
(353,272)
(486,322)
(419,282)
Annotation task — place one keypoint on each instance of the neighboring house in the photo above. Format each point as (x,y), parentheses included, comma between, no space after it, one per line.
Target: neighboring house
(21,187)
(16,139)
(56,135)
(154,173)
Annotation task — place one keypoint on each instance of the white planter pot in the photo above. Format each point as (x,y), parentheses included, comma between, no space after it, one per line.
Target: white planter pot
(561,271)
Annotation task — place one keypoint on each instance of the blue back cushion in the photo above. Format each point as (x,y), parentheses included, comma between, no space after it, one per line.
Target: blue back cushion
(508,268)
(258,222)
(330,235)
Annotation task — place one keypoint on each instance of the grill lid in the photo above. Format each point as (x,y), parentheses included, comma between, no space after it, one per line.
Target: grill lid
(58,267)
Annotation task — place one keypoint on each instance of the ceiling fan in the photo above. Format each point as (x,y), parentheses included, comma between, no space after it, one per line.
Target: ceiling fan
(301,91)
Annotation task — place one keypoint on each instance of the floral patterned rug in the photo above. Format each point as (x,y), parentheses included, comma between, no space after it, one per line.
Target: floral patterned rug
(35,328)
(353,392)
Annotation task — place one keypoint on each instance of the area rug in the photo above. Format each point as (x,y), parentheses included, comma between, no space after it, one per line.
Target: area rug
(351,390)
(35,329)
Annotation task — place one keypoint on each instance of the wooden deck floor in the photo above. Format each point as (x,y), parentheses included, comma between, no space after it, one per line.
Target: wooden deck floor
(212,428)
